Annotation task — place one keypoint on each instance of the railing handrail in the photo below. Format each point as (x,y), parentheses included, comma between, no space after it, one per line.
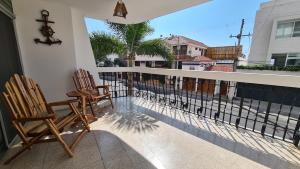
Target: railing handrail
(255,78)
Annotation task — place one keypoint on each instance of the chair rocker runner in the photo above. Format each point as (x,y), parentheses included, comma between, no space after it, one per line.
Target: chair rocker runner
(34,118)
(84,82)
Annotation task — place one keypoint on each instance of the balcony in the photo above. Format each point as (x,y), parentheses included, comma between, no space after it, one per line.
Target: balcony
(166,119)
(184,119)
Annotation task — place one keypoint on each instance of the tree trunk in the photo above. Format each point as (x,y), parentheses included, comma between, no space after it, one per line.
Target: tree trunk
(130,75)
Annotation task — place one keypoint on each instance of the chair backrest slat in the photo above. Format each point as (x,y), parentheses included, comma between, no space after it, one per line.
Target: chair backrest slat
(17,99)
(36,95)
(24,98)
(83,80)
(29,102)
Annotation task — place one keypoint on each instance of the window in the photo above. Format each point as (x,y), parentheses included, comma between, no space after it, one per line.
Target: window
(192,68)
(297,29)
(182,50)
(292,59)
(288,29)
(196,48)
(279,59)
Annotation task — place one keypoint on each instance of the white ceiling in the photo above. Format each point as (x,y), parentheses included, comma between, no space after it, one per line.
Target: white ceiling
(138,10)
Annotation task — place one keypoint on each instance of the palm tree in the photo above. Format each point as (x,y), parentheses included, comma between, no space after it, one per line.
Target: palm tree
(128,41)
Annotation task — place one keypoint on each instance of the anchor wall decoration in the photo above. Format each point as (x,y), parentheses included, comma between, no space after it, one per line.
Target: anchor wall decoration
(46,30)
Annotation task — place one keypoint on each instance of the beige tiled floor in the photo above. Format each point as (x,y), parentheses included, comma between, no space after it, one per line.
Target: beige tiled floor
(142,135)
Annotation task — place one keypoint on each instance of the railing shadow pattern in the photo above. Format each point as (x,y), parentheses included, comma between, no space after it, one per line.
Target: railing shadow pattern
(258,108)
(268,152)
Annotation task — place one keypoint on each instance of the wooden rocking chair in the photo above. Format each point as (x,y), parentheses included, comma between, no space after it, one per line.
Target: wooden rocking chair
(84,82)
(34,118)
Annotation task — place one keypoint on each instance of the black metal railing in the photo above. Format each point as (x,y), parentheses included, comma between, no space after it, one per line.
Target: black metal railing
(270,110)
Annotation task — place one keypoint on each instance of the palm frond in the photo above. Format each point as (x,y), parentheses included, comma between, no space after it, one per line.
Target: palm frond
(132,34)
(104,44)
(156,47)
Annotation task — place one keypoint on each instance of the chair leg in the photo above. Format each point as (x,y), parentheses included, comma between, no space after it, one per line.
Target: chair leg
(55,132)
(26,147)
(92,108)
(85,123)
(111,102)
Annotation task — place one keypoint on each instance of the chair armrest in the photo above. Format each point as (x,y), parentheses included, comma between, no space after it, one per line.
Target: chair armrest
(62,103)
(102,86)
(48,116)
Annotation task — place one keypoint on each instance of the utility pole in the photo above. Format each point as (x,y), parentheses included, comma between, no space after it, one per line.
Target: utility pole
(239,38)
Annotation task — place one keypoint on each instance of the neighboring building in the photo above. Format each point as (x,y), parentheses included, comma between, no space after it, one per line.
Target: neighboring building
(194,55)
(183,46)
(190,55)
(276,36)
(224,57)
(194,63)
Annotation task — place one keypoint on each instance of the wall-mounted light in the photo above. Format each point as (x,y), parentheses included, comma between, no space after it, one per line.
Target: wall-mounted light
(120,9)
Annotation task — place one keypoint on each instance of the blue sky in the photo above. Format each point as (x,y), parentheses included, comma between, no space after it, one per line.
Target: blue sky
(210,23)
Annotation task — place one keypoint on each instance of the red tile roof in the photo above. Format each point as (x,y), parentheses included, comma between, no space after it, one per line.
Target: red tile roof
(184,40)
(188,58)
(222,68)
(202,59)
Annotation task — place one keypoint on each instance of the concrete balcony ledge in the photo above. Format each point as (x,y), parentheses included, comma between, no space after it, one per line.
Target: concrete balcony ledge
(139,134)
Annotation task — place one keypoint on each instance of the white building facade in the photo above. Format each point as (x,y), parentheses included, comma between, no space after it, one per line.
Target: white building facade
(276,36)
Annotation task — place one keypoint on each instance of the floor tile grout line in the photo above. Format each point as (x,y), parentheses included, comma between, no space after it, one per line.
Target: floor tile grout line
(99,149)
(45,155)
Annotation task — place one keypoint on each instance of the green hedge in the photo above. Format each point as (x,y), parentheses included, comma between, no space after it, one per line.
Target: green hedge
(275,68)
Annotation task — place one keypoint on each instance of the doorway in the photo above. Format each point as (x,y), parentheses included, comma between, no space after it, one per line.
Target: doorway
(9,65)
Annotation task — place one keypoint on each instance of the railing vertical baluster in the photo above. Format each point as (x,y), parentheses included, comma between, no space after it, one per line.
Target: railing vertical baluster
(119,90)
(276,123)
(227,98)
(264,126)
(248,113)
(238,120)
(169,89)
(202,88)
(217,114)
(127,87)
(256,115)
(148,90)
(181,95)
(174,102)
(178,92)
(196,98)
(213,97)
(289,115)
(186,104)
(116,93)
(296,134)
(206,100)
(139,92)
(164,91)
(232,101)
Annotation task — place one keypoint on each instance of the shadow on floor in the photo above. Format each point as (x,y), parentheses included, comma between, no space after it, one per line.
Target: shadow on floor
(98,149)
(129,119)
(116,154)
(240,148)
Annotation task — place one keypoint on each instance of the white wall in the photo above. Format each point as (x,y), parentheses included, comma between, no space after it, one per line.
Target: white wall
(196,67)
(270,72)
(83,49)
(195,52)
(148,58)
(264,42)
(52,66)
(283,45)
